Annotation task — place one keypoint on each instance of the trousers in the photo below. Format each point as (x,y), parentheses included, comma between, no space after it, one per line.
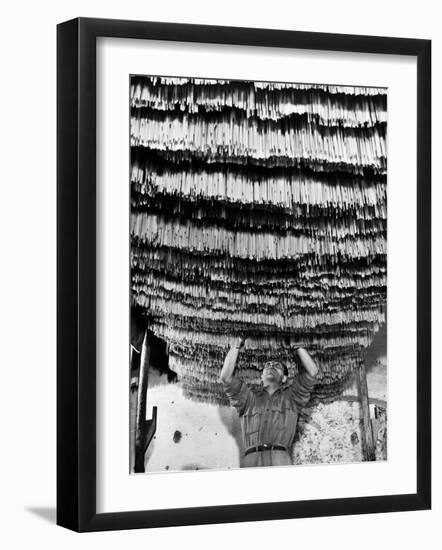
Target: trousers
(266,458)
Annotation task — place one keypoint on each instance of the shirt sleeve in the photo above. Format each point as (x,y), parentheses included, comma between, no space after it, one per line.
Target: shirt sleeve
(239,394)
(302,387)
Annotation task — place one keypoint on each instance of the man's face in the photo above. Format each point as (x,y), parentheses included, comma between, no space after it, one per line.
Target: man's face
(273,373)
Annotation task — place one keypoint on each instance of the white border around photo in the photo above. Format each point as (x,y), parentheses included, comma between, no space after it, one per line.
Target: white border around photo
(117,490)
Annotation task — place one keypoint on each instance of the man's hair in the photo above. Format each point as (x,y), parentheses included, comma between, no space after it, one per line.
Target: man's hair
(278,365)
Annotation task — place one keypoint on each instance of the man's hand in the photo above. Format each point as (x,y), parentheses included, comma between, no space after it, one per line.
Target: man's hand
(286,342)
(239,342)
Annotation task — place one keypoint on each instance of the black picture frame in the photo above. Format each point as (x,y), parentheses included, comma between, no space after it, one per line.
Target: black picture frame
(76,273)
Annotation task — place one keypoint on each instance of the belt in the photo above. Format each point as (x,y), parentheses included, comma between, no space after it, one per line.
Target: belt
(265,447)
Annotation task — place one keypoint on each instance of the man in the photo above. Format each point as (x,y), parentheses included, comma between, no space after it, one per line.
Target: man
(268,415)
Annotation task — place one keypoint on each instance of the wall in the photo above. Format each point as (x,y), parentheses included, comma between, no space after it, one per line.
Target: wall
(190,435)
(27,292)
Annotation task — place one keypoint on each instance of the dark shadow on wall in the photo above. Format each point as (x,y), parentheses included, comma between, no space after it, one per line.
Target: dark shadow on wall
(378,347)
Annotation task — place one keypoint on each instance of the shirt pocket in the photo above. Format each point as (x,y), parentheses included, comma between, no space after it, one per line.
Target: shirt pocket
(284,417)
(252,420)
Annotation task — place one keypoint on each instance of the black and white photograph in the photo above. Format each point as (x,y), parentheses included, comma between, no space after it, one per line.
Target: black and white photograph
(258,269)
(220,228)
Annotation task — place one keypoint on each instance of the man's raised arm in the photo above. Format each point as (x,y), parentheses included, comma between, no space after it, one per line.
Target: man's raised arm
(306,379)
(304,357)
(230,360)
(307,362)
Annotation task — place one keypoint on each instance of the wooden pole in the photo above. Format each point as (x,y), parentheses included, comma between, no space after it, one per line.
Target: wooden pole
(144,429)
(368,445)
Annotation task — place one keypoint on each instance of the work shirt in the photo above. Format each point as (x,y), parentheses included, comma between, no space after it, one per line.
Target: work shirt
(269,419)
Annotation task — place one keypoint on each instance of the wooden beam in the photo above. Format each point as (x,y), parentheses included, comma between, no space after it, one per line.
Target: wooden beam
(144,429)
(368,444)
